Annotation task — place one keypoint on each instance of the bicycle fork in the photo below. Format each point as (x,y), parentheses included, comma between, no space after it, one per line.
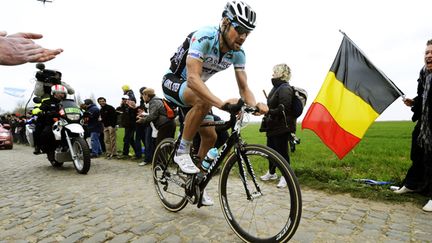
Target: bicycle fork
(245,166)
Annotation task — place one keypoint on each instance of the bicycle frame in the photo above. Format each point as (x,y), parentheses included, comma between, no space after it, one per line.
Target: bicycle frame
(235,142)
(238,160)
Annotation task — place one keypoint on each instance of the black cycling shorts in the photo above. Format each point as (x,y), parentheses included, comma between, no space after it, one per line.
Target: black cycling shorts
(173,88)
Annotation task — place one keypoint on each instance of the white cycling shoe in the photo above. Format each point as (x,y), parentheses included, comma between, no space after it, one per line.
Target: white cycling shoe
(186,164)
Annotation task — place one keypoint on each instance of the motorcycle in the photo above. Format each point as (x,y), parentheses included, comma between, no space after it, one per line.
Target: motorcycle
(69,135)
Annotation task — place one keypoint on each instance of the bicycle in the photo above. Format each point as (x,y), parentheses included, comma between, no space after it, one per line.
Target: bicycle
(255,211)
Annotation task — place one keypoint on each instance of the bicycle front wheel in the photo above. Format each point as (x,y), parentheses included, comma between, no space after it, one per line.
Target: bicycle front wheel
(268,213)
(168,179)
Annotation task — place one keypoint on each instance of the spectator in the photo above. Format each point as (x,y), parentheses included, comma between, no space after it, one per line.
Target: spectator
(85,123)
(109,121)
(419,175)
(20,48)
(150,134)
(127,91)
(13,121)
(279,123)
(128,121)
(21,130)
(140,132)
(142,101)
(149,141)
(157,114)
(94,127)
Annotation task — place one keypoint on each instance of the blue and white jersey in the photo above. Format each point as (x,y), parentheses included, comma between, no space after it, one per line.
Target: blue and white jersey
(203,45)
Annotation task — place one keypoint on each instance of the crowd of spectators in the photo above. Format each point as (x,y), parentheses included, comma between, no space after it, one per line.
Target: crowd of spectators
(17,126)
(140,122)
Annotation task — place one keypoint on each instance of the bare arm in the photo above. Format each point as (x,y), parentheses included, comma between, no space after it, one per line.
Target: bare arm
(244,90)
(246,93)
(195,83)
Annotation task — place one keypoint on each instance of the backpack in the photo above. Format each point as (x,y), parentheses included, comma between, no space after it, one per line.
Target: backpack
(299,101)
(170,113)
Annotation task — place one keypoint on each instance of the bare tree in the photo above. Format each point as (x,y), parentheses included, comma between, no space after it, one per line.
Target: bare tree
(20,107)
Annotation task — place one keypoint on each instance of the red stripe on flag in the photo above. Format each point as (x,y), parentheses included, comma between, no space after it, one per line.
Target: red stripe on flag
(319,120)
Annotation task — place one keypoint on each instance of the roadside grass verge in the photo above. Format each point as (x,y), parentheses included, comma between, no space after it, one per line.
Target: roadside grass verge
(382,155)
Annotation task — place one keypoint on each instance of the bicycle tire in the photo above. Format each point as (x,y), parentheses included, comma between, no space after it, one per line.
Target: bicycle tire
(165,172)
(274,215)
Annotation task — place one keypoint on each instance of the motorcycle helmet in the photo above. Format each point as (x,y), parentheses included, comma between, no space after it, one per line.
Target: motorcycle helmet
(241,13)
(58,88)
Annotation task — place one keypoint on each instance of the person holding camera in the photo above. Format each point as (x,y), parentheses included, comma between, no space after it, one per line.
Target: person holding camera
(45,79)
(128,113)
(277,123)
(129,92)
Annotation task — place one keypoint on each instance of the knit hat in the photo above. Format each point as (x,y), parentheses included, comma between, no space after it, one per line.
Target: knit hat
(125,88)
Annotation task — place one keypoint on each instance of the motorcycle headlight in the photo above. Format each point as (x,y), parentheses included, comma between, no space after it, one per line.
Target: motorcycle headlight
(73,117)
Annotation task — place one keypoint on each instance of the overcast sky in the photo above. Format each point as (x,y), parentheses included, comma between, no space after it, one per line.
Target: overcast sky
(110,43)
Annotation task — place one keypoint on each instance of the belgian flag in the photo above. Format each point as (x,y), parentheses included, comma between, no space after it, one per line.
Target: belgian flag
(353,95)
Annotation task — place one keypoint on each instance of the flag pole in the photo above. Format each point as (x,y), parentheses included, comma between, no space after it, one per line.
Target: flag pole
(388,80)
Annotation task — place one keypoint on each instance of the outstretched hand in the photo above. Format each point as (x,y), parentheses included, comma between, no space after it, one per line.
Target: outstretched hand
(20,48)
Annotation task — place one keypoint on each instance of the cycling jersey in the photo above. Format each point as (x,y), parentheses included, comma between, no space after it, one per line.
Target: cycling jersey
(203,45)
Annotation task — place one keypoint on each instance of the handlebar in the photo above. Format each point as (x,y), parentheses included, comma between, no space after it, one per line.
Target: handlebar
(236,112)
(235,108)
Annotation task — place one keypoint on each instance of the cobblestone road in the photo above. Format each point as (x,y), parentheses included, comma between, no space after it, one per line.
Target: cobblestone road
(116,202)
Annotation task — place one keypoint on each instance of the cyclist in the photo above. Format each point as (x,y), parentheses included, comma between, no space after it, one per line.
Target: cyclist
(204,53)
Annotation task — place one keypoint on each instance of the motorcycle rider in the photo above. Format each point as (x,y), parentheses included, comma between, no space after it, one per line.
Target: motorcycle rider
(45,80)
(50,110)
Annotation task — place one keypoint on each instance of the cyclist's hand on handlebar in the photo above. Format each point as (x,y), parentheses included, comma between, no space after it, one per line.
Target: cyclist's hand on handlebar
(231,107)
(262,109)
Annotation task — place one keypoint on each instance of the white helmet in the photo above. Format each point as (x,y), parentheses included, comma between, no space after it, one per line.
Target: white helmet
(240,12)
(57,88)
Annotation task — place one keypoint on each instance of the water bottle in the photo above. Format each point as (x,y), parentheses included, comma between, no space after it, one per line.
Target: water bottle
(209,159)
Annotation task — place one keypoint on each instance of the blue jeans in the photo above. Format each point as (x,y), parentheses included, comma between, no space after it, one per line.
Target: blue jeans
(95,143)
(140,135)
(149,144)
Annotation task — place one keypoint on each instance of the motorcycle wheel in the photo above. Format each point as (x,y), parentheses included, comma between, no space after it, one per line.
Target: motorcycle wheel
(82,155)
(51,159)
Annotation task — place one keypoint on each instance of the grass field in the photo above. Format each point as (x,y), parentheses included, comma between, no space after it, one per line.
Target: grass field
(383,154)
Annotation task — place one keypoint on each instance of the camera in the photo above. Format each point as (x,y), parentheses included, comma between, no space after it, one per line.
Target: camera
(47,75)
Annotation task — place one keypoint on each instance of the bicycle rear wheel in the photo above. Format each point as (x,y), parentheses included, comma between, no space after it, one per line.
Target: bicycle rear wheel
(271,214)
(168,179)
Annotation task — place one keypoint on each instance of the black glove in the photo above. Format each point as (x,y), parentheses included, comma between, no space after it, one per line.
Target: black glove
(233,108)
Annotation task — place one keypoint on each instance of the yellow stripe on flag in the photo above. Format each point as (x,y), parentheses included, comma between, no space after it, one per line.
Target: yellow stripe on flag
(351,112)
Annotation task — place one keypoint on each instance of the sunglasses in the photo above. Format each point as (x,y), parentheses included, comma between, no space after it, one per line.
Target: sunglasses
(240,29)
